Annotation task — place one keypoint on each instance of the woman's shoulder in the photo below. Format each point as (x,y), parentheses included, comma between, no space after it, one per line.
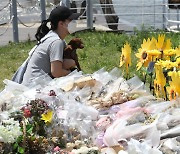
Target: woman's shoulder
(51,35)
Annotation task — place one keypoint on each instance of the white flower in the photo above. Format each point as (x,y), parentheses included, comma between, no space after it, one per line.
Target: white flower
(84,150)
(9,131)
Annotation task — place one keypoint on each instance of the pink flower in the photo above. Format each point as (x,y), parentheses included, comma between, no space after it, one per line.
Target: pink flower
(27,113)
(56,149)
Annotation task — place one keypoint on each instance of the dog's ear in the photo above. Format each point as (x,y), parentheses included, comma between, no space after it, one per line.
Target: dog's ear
(71,42)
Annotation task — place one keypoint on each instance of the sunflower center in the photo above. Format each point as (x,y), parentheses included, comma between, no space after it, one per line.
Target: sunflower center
(144,55)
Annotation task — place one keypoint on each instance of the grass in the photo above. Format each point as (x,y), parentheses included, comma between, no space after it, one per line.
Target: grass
(102,49)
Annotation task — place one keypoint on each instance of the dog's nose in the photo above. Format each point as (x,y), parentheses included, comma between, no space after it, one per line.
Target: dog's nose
(82,46)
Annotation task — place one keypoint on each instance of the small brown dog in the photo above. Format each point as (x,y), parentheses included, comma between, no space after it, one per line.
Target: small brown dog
(70,51)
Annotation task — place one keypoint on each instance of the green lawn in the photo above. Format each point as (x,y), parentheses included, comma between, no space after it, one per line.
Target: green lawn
(102,49)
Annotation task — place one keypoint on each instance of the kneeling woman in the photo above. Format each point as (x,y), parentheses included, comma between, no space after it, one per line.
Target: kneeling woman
(47,57)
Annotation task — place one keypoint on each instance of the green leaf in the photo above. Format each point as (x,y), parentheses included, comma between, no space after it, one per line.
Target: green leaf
(19,139)
(15,145)
(29,129)
(21,150)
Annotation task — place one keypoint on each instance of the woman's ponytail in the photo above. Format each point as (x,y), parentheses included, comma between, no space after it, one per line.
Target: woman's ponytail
(42,30)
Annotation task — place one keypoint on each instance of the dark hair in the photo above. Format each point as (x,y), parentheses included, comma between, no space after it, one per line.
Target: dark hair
(42,30)
(60,13)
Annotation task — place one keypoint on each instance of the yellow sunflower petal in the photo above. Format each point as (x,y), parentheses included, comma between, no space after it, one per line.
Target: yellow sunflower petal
(160,42)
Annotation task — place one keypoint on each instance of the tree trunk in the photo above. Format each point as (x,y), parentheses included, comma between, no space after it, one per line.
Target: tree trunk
(174,4)
(109,9)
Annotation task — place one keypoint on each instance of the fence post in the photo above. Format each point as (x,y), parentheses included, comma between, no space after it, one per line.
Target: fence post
(177,17)
(68,3)
(154,14)
(15,21)
(43,10)
(164,14)
(89,14)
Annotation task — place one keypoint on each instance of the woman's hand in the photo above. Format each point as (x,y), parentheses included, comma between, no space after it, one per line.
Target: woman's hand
(57,69)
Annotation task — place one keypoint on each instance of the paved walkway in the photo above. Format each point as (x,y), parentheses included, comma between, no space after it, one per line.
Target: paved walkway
(25,33)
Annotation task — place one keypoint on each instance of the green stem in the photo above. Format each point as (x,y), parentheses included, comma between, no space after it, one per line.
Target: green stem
(150,86)
(165,93)
(145,78)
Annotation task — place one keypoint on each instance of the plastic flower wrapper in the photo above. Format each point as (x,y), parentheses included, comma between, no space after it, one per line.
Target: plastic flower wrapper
(66,83)
(171,132)
(103,80)
(9,131)
(135,147)
(79,116)
(105,77)
(121,130)
(14,87)
(118,85)
(103,123)
(50,96)
(140,101)
(80,95)
(136,84)
(156,108)
(168,119)
(110,150)
(42,80)
(171,144)
(80,111)
(10,103)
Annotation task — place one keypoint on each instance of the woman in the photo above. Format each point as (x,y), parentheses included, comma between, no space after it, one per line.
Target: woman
(47,57)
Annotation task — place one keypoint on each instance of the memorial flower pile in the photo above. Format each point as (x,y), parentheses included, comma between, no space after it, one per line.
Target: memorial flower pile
(99,113)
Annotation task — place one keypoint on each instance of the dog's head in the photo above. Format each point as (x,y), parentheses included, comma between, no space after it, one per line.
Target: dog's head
(76,43)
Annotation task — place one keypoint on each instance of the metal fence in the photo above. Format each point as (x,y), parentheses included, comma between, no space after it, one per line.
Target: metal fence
(102,14)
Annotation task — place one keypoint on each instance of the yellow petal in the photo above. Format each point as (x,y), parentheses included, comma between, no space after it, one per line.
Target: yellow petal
(47,117)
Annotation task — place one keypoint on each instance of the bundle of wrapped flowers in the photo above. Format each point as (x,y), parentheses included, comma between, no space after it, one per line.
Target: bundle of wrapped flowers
(87,114)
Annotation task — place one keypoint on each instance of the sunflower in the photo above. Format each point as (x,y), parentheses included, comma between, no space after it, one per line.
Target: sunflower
(178,62)
(125,58)
(159,82)
(175,76)
(174,88)
(143,55)
(160,42)
(167,64)
(163,45)
(178,51)
(168,53)
(171,91)
(154,54)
